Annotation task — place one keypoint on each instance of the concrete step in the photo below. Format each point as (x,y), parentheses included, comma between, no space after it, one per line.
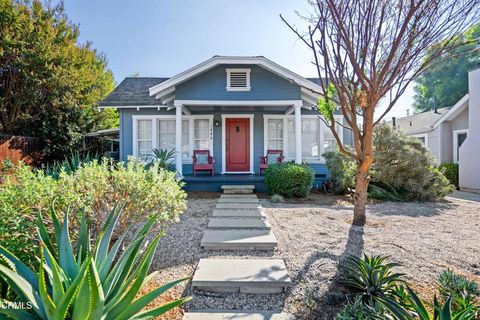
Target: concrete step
(238,189)
(248,239)
(238,200)
(236,314)
(237,206)
(260,276)
(238,196)
(238,223)
(228,213)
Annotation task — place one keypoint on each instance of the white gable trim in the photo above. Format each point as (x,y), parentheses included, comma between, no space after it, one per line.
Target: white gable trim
(461,105)
(215,61)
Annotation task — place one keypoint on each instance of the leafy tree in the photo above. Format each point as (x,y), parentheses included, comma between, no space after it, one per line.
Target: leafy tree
(49,83)
(446,82)
(370,51)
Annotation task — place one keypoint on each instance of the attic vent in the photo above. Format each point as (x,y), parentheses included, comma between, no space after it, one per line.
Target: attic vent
(238,79)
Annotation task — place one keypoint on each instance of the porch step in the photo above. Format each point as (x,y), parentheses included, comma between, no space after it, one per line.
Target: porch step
(238,196)
(248,239)
(238,200)
(236,314)
(238,223)
(238,205)
(238,189)
(228,213)
(258,276)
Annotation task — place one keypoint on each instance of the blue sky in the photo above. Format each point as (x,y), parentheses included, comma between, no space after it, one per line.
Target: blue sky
(164,37)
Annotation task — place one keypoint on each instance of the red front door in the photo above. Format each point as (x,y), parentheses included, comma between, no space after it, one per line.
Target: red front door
(238,144)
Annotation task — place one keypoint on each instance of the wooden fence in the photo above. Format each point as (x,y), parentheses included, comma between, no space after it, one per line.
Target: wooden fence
(16,148)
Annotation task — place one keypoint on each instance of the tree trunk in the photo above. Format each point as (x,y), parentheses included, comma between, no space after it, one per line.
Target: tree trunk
(360,196)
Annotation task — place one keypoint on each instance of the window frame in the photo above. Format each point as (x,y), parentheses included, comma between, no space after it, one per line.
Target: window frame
(247,71)
(422,135)
(154,123)
(320,137)
(456,133)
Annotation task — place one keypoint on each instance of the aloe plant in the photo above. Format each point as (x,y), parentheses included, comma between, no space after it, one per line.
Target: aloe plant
(92,281)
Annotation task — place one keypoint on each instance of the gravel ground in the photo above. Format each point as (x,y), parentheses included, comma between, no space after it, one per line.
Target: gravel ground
(314,235)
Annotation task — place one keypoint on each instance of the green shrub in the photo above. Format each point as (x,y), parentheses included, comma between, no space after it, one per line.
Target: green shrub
(403,169)
(289,179)
(463,291)
(358,310)
(70,164)
(86,281)
(97,186)
(450,171)
(342,171)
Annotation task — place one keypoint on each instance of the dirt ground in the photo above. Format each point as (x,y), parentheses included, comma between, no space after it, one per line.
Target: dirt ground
(314,234)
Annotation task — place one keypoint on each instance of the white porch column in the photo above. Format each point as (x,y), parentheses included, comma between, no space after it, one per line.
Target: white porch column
(298,133)
(178,139)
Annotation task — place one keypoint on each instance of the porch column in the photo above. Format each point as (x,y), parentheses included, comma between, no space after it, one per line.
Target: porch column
(298,133)
(178,139)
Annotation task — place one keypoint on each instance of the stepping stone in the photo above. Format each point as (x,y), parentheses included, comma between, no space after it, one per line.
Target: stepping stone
(248,239)
(238,200)
(238,223)
(236,314)
(260,276)
(243,206)
(238,189)
(228,213)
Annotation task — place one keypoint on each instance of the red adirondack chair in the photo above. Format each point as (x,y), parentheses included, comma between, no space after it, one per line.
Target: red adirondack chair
(267,160)
(202,161)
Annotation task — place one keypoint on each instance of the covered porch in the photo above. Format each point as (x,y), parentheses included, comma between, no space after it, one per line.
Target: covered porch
(206,182)
(225,143)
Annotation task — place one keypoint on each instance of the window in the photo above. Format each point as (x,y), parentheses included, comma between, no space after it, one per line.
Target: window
(459,137)
(201,136)
(316,136)
(310,138)
(238,79)
(144,138)
(329,142)
(166,134)
(159,132)
(275,134)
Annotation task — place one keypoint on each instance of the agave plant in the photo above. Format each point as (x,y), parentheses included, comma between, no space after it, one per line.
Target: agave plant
(371,276)
(92,281)
(163,157)
(70,164)
(417,309)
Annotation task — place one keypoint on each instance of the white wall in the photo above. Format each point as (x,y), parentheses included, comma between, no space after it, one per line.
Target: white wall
(469,178)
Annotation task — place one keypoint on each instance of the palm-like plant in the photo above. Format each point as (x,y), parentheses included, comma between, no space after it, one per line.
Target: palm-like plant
(163,157)
(90,282)
(371,276)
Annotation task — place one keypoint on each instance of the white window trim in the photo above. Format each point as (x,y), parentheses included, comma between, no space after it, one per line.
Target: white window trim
(455,142)
(422,135)
(224,137)
(246,70)
(155,118)
(312,160)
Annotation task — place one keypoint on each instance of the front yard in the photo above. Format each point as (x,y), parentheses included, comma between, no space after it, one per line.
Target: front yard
(314,234)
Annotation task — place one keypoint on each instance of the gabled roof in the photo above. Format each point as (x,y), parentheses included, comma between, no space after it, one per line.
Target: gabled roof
(132,91)
(166,87)
(454,111)
(421,122)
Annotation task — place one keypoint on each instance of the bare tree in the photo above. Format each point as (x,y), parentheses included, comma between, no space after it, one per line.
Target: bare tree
(369,50)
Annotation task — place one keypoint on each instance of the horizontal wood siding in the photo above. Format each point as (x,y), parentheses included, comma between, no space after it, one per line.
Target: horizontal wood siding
(211,85)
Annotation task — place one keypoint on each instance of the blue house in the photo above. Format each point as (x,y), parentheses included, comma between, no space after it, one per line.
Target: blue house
(235,107)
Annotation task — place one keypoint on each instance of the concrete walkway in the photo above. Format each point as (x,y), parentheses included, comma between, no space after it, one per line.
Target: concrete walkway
(238,223)
(460,195)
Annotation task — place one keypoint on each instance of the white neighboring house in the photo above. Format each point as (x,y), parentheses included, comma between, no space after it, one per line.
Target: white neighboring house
(452,134)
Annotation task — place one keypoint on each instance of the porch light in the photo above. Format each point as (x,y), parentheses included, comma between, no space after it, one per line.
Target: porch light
(217,123)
